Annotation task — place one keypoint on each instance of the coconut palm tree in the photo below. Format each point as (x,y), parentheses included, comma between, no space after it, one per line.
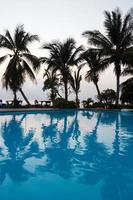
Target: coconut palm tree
(96,64)
(117,41)
(51,83)
(75,82)
(63,55)
(19,59)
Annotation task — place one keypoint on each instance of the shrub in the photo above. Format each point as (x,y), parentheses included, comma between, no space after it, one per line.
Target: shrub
(98,105)
(94,105)
(87,103)
(62,103)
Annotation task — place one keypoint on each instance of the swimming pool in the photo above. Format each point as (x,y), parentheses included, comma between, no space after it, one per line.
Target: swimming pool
(66,155)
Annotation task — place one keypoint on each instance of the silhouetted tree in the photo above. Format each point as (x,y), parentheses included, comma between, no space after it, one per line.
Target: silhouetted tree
(116,45)
(96,64)
(63,56)
(19,59)
(51,83)
(75,82)
(108,96)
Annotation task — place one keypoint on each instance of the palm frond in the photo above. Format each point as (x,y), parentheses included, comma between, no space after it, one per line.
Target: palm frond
(3,58)
(33,60)
(5,43)
(8,35)
(28,71)
(97,39)
(127,71)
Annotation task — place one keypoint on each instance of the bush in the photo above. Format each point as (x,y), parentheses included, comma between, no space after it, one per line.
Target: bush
(98,105)
(62,103)
(114,106)
(87,103)
(94,105)
(120,106)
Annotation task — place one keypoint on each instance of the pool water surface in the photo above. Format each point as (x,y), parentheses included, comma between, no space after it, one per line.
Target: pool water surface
(66,155)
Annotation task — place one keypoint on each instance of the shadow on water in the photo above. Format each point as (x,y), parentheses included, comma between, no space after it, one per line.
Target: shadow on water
(71,154)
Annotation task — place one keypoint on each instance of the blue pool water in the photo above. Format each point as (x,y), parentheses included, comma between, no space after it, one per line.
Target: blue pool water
(66,155)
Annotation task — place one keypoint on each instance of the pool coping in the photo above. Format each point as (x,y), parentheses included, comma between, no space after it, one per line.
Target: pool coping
(4,110)
(8,110)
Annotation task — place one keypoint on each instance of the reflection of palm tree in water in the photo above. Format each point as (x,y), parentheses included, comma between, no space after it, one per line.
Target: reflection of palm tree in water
(66,161)
(93,158)
(76,130)
(118,182)
(19,148)
(87,164)
(59,153)
(50,131)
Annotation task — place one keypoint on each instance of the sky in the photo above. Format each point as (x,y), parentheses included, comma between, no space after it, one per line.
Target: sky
(58,19)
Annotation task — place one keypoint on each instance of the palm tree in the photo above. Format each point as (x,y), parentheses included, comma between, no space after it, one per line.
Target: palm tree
(75,82)
(96,64)
(19,58)
(117,43)
(63,55)
(51,83)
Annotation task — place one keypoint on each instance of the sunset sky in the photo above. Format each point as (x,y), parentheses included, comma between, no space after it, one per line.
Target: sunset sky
(58,19)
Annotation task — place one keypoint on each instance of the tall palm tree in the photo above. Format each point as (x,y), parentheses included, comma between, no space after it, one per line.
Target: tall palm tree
(51,83)
(96,64)
(75,82)
(117,42)
(19,58)
(63,55)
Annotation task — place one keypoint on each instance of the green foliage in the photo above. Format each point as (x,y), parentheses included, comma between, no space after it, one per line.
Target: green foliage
(62,103)
(108,96)
(21,62)
(96,64)
(116,46)
(87,103)
(63,55)
(97,105)
(127,91)
(51,82)
(75,82)
(120,106)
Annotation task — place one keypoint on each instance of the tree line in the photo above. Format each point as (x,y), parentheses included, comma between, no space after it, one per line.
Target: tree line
(66,60)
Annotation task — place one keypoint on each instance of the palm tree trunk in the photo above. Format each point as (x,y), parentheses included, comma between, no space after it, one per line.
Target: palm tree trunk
(15,99)
(98,91)
(118,72)
(15,95)
(25,98)
(77,100)
(66,90)
(117,88)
